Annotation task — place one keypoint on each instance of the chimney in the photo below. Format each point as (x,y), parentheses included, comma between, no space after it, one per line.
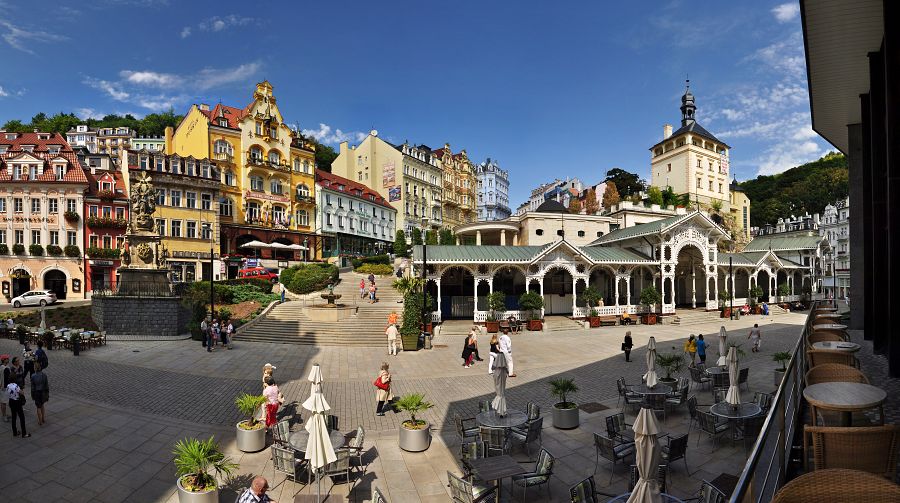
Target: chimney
(667,131)
(204,107)
(170,140)
(35,130)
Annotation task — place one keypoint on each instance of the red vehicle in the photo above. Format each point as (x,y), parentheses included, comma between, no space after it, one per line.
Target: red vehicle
(258,273)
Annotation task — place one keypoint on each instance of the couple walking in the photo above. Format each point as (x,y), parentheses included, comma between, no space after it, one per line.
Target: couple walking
(499,344)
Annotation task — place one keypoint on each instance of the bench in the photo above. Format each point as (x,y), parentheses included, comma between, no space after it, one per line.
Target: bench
(609,320)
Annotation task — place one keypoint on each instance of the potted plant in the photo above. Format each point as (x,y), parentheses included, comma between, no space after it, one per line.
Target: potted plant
(194,461)
(18,249)
(672,363)
(755,293)
(783,291)
(565,413)
(72,251)
(650,297)
(724,297)
(250,433)
(4,249)
(415,434)
(72,216)
(591,297)
(781,357)
(496,301)
(531,302)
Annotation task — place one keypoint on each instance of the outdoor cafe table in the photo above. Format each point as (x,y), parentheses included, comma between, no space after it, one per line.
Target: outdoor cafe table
(664,498)
(835,316)
(844,397)
(734,414)
(826,309)
(492,419)
(496,468)
(716,370)
(659,389)
(848,347)
(829,326)
(300,438)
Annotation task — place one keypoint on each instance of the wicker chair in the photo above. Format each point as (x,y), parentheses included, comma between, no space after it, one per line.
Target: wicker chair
(840,486)
(870,449)
(840,333)
(834,372)
(822,337)
(820,356)
(464,491)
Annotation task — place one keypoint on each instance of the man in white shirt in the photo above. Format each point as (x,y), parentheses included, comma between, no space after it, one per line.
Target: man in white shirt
(391,334)
(506,349)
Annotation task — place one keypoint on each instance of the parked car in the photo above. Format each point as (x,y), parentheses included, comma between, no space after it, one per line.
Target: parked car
(34,298)
(259,273)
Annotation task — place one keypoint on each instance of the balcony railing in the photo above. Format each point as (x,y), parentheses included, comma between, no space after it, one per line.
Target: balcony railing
(224,156)
(265,163)
(304,199)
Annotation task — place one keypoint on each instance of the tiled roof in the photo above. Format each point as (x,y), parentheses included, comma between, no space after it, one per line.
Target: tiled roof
(640,230)
(477,254)
(234,115)
(41,143)
(696,128)
(784,243)
(617,255)
(94,188)
(741,259)
(331,182)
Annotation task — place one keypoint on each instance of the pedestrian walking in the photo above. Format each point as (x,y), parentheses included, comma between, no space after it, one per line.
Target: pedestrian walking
(204,331)
(16,398)
(701,349)
(28,359)
(495,350)
(274,399)
(282,293)
(7,375)
(18,373)
(627,344)
(469,348)
(267,372)
(40,391)
(40,356)
(392,318)
(690,347)
(215,332)
(475,331)
(383,383)
(362,289)
(754,337)
(372,290)
(391,333)
(226,330)
(371,278)
(505,347)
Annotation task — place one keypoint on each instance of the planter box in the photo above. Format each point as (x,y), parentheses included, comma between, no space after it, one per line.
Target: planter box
(672,383)
(779,376)
(595,321)
(250,440)
(414,440)
(185,496)
(648,319)
(492,326)
(565,419)
(726,313)
(535,325)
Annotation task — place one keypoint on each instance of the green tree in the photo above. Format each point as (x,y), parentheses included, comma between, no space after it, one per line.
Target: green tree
(416,236)
(628,184)
(447,237)
(574,205)
(15,126)
(431,237)
(591,206)
(400,247)
(655,196)
(610,195)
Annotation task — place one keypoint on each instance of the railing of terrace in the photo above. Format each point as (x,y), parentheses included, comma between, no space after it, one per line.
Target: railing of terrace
(765,470)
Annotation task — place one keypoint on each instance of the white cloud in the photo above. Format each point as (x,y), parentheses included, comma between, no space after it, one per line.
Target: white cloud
(796,149)
(786,12)
(88,113)
(208,78)
(110,88)
(325,134)
(218,23)
(186,32)
(785,56)
(3,92)
(147,78)
(23,39)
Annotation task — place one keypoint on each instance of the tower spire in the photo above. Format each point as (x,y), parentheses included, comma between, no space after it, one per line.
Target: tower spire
(687,105)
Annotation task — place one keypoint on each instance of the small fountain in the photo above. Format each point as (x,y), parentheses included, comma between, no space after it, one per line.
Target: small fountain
(330,311)
(330,297)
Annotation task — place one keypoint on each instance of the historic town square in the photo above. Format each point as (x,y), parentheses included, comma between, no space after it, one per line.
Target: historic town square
(427,252)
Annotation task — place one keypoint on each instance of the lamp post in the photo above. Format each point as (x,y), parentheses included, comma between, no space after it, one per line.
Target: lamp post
(424,279)
(306,251)
(731,286)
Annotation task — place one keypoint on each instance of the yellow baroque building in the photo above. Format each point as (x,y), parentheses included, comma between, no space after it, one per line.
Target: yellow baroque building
(267,177)
(459,201)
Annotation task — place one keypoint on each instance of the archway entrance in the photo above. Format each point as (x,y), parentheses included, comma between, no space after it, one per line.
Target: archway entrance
(55,281)
(690,278)
(457,294)
(510,281)
(603,280)
(764,281)
(558,292)
(21,282)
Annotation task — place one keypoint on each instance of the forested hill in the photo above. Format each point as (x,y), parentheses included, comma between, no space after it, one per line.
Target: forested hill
(149,125)
(807,188)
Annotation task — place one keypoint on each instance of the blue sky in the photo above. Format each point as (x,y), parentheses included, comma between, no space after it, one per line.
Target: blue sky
(550,90)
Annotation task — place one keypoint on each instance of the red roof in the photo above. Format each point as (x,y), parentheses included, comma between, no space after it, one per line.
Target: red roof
(118,183)
(333,182)
(234,115)
(41,143)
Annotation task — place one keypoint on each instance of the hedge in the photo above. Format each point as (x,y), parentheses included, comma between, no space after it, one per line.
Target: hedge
(308,278)
(376,269)
(374,259)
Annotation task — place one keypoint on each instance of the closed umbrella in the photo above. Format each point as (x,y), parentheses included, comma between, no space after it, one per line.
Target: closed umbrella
(650,378)
(501,370)
(43,319)
(723,346)
(646,457)
(734,391)
(319,451)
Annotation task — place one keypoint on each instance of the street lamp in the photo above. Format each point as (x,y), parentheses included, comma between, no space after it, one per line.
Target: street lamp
(424,276)
(731,285)
(306,251)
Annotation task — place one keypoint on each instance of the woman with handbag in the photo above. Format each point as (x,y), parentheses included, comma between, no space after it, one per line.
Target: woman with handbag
(627,344)
(16,397)
(383,385)
(40,391)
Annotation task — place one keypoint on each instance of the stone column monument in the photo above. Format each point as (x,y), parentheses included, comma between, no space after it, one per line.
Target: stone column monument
(143,272)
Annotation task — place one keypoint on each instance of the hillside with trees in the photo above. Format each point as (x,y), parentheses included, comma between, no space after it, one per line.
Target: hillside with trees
(150,125)
(807,188)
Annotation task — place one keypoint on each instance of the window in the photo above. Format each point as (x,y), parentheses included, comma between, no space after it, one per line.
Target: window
(120,242)
(54,238)
(205,201)
(52,206)
(107,241)
(191,229)
(204,169)
(539,232)
(710,185)
(222,147)
(2,236)
(175,198)
(560,232)
(175,165)
(599,234)
(160,197)
(3,204)
(670,167)
(303,191)
(35,206)
(190,167)
(256,183)
(303,218)
(190,199)
(18,205)
(226,207)
(298,167)
(581,234)
(206,231)
(275,186)
(94,242)
(93,211)
(327,197)
(161,226)
(107,212)
(278,214)
(59,171)
(720,189)
(20,237)
(71,238)
(259,128)
(176,228)
(275,157)
(710,165)
(160,164)
(328,219)
(340,220)
(120,213)
(229,178)
(35,237)
(252,210)
(256,154)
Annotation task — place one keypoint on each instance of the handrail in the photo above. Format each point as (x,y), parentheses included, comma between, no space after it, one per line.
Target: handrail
(777,433)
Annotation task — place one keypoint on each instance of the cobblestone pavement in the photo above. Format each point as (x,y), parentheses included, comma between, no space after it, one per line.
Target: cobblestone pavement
(117,410)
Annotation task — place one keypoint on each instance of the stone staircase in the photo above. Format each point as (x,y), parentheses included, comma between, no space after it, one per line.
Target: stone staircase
(694,317)
(287,324)
(561,323)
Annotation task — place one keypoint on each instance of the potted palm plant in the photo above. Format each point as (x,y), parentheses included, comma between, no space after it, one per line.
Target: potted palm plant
(198,463)
(250,433)
(415,434)
(672,363)
(781,357)
(591,297)
(755,293)
(650,297)
(724,297)
(531,302)
(495,302)
(565,413)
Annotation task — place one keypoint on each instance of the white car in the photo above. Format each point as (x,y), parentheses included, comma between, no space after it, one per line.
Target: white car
(34,298)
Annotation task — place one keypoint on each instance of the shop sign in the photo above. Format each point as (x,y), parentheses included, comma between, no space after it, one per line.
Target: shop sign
(101,263)
(267,197)
(252,262)
(19,219)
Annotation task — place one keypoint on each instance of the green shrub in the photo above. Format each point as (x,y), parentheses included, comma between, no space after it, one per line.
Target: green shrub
(54,250)
(376,269)
(4,250)
(250,292)
(224,313)
(287,275)
(18,249)
(73,251)
(36,250)
(308,278)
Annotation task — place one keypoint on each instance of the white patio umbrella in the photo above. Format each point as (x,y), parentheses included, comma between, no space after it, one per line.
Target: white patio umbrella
(256,244)
(723,346)
(734,391)
(646,457)
(501,370)
(650,378)
(319,451)
(297,247)
(43,319)
(280,246)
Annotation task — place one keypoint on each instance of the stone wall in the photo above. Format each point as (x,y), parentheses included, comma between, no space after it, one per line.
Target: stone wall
(159,316)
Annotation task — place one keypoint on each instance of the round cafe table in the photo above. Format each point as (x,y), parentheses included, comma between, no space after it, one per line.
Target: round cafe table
(659,389)
(828,315)
(849,347)
(492,419)
(663,498)
(299,439)
(844,397)
(829,326)
(735,414)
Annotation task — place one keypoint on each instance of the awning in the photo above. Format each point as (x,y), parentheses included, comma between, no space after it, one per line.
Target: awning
(255,244)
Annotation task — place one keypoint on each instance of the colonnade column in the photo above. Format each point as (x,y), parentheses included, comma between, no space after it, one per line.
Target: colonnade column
(693,288)
(574,293)
(616,283)
(628,290)
(502,237)
(515,239)
(477,238)
(437,283)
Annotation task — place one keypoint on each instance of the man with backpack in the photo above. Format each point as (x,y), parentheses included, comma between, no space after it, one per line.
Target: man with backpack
(40,356)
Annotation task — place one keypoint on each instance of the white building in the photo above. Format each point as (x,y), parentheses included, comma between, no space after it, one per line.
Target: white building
(835,227)
(353,219)
(82,136)
(151,143)
(493,191)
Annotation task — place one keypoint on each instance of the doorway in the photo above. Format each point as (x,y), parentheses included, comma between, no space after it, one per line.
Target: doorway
(55,281)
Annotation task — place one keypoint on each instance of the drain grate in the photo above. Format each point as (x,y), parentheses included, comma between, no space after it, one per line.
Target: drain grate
(592,407)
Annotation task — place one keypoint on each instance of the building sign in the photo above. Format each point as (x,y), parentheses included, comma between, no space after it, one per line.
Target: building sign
(394,193)
(101,263)
(267,197)
(723,162)
(191,254)
(76,285)
(252,262)
(388,178)
(19,219)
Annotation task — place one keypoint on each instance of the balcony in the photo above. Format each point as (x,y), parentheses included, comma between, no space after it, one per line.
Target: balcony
(262,162)
(224,157)
(304,199)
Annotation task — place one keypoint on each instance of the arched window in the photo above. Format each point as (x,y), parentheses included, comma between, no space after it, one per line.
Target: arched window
(275,186)
(229,179)
(302,190)
(307,167)
(252,211)
(297,166)
(278,215)
(256,183)
(302,218)
(275,157)
(256,154)
(226,207)
(222,147)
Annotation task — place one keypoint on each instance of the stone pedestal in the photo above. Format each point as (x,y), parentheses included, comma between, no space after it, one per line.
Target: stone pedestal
(144,315)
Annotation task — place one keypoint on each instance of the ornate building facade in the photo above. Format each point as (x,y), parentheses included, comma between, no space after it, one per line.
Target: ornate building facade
(355,220)
(458,204)
(835,227)
(492,186)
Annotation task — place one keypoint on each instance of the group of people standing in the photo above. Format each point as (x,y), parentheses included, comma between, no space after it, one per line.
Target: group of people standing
(500,343)
(15,376)
(368,291)
(695,346)
(215,332)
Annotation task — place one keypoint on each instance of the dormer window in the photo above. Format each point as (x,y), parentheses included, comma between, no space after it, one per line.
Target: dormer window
(60,171)
(10,136)
(3,148)
(204,169)
(28,148)
(175,165)
(223,122)
(191,166)
(33,172)
(106,186)
(160,164)
(53,149)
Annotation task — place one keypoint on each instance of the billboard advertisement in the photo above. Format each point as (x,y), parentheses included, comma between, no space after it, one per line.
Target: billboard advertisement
(388,178)
(394,193)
